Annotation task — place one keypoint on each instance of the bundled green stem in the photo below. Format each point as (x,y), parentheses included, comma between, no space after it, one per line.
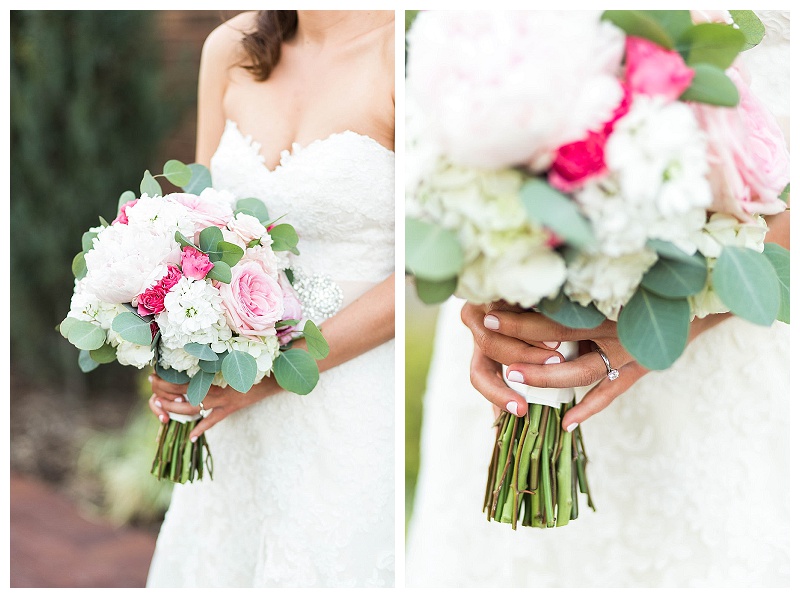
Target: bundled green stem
(536,470)
(179,460)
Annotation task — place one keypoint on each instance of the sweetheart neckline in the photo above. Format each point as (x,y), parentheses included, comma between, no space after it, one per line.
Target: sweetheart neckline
(296,148)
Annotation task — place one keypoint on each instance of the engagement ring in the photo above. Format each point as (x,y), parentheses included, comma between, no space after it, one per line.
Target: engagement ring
(611,372)
(206,412)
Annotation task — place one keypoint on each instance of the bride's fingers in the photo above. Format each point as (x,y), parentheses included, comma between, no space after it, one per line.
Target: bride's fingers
(602,395)
(484,376)
(157,408)
(505,349)
(164,389)
(180,405)
(533,327)
(581,371)
(206,423)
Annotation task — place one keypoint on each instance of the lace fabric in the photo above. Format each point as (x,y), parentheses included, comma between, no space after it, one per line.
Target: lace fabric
(689,469)
(303,487)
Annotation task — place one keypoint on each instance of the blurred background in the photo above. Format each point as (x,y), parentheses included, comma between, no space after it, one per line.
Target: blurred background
(97,97)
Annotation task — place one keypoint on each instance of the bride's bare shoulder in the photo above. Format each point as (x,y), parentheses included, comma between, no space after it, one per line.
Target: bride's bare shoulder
(222,48)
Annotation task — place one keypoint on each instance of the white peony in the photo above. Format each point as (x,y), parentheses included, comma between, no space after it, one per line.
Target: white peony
(127,259)
(161,216)
(608,282)
(193,314)
(136,355)
(505,88)
(178,359)
(656,187)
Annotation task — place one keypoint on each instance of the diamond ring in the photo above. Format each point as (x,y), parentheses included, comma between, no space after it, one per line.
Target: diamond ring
(203,411)
(611,373)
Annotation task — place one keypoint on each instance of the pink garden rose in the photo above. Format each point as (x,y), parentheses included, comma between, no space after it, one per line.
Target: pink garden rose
(152,300)
(654,71)
(194,263)
(253,301)
(122,217)
(247,227)
(205,212)
(747,154)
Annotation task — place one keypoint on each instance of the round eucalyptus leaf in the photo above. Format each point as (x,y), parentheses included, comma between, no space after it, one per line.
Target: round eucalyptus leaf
(86,336)
(132,328)
(239,370)
(200,351)
(674,278)
(296,371)
(86,363)
(201,179)
(198,387)
(431,292)
(432,253)
(315,342)
(177,173)
(747,284)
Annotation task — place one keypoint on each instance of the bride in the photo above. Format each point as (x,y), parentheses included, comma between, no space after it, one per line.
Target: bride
(688,467)
(297,108)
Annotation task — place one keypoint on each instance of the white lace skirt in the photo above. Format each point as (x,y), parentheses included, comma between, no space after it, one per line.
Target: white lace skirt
(689,471)
(303,491)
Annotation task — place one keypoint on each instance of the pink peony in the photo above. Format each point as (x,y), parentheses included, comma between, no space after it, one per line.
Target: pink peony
(253,301)
(195,264)
(204,212)
(747,154)
(151,301)
(654,71)
(122,217)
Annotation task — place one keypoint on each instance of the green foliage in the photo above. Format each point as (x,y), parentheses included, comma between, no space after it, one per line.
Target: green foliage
(221,272)
(779,258)
(201,178)
(410,16)
(240,370)
(86,336)
(711,43)
(132,328)
(316,343)
(296,371)
(642,23)
(230,253)
(548,207)
(177,173)
(200,351)
(432,252)
(747,284)
(79,266)
(784,196)
(171,376)
(750,25)
(87,114)
(255,207)
(571,314)
(432,292)
(198,387)
(209,237)
(676,278)
(149,185)
(284,238)
(124,198)
(85,361)
(711,86)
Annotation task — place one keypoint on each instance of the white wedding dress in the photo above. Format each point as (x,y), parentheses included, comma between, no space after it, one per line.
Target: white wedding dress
(303,488)
(689,470)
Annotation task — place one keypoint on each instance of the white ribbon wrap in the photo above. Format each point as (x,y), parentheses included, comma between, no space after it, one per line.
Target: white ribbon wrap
(552,397)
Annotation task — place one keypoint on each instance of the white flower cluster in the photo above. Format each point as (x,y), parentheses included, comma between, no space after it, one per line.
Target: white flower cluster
(193,314)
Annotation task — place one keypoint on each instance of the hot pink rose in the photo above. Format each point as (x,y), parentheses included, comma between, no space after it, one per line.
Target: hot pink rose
(152,300)
(122,217)
(747,154)
(654,71)
(292,309)
(195,264)
(205,212)
(574,163)
(253,301)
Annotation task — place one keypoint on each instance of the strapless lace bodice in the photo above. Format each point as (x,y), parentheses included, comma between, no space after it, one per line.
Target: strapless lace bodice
(337,192)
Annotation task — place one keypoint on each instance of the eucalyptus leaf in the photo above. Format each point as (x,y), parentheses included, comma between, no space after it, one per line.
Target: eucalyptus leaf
(209,238)
(296,371)
(711,85)
(747,284)
(103,221)
(171,376)
(568,313)
(65,326)
(149,185)
(315,342)
(784,196)
(183,241)
(79,269)
(779,258)
(676,278)
(221,272)
(284,323)
(177,173)
(198,387)
(716,44)
(86,336)
(201,179)
(254,207)
(431,292)
(230,253)
(125,198)
(105,354)
(284,237)
(548,207)
(132,328)
(673,252)
(87,241)
(654,329)
(289,275)
(200,351)
(674,22)
(212,367)
(239,370)
(254,243)
(432,252)
(86,363)
(750,25)
(639,23)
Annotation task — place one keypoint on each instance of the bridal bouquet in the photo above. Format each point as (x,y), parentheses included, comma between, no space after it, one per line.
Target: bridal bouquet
(590,165)
(194,284)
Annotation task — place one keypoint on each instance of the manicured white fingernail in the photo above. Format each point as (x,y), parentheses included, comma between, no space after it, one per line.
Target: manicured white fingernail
(179,399)
(552,359)
(514,376)
(551,344)
(572,426)
(193,438)
(158,403)
(512,408)
(150,377)
(163,418)
(491,322)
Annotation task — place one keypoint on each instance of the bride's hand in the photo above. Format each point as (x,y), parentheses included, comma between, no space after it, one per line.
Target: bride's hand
(169,397)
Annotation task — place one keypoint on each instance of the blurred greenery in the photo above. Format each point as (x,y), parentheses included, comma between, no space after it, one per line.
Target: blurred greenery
(420,325)
(88,114)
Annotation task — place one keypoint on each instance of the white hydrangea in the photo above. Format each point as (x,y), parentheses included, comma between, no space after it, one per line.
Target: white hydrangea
(193,314)
(178,359)
(608,282)
(505,255)
(507,88)
(87,307)
(656,187)
(126,260)
(264,350)
(160,216)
